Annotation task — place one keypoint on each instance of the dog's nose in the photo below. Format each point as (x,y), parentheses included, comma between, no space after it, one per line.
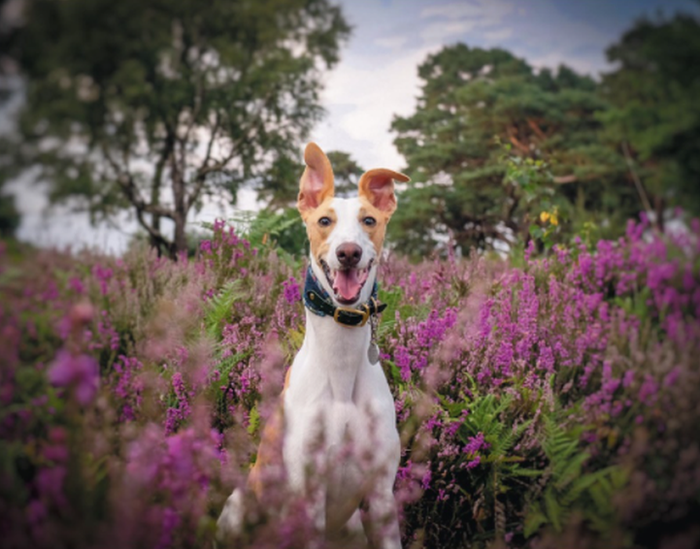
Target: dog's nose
(348,254)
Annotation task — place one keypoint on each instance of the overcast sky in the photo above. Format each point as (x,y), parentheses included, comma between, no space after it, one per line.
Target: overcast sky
(377,77)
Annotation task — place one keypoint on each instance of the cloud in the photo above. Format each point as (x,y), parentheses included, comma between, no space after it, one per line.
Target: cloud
(363,93)
(436,32)
(362,96)
(497,35)
(391,42)
(459,18)
(483,12)
(478,9)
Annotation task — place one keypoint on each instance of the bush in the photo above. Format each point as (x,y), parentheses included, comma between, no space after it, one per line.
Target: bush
(536,405)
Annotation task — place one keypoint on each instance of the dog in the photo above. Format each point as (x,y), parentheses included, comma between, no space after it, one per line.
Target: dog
(335,390)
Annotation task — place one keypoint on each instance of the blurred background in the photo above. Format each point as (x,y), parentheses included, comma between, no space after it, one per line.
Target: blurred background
(515,120)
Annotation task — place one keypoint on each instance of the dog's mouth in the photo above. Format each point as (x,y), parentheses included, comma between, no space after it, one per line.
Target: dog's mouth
(347,282)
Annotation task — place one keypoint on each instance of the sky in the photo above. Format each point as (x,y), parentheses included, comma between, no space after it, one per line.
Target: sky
(377,79)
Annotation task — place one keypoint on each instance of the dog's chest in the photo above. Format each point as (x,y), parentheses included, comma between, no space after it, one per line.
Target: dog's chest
(345,438)
(339,407)
(345,405)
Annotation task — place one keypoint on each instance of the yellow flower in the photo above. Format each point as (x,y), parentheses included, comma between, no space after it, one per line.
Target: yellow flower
(554,220)
(544,216)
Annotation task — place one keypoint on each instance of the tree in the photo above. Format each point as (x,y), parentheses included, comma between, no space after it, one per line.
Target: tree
(127,100)
(9,216)
(347,173)
(655,119)
(458,189)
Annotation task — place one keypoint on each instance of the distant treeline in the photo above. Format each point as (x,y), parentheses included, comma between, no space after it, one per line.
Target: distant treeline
(156,107)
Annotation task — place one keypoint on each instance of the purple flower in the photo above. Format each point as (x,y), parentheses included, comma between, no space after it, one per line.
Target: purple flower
(473,463)
(176,415)
(76,285)
(103,275)
(648,391)
(425,481)
(171,521)
(78,371)
(292,290)
(475,444)
(205,246)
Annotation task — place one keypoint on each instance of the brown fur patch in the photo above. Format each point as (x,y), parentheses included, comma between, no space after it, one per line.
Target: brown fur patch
(377,186)
(378,231)
(318,235)
(270,449)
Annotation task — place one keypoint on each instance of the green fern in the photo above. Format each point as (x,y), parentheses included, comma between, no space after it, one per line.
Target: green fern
(567,487)
(501,469)
(219,307)
(266,229)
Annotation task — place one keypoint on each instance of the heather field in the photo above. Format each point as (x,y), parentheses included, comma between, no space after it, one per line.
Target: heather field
(546,402)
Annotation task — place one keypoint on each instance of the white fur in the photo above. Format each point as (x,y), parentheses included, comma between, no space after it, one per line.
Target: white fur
(335,395)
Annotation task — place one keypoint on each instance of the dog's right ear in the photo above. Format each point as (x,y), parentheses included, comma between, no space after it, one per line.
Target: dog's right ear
(317,180)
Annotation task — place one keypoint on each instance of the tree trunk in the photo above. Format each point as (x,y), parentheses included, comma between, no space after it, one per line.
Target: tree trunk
(180,236)
(180,209)
(659,207)
(155,192)
(155,222)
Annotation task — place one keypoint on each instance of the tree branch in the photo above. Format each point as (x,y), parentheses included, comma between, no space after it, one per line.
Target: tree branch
(563,179)
(153,232)
(637,182)
(205,168)
(516,143)
(535,128)
(201,176)
(126,182)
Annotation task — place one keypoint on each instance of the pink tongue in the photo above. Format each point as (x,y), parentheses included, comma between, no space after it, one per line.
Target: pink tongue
(347,284)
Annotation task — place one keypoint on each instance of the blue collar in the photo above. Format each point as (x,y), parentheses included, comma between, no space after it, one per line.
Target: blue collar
(318,301)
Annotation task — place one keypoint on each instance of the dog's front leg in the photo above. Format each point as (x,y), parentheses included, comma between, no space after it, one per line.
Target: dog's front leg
(381,521)
(303,473)
(231,520)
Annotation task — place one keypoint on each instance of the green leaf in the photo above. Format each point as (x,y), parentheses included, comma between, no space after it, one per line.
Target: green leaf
(253,421)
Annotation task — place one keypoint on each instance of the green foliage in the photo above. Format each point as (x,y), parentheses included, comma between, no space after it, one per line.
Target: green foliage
(131,102)
(653,92)
(347,173)
(567,486)
(266,229)
(462,186)
(218,309)
(535,187)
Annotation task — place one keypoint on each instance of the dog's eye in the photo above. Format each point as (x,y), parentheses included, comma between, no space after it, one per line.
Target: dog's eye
(325,222)
(369,221)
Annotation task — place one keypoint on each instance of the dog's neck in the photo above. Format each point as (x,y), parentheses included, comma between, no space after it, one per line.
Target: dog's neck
(337,352)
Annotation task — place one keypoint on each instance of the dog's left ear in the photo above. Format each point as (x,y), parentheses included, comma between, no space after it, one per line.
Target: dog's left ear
(377,186)
(317,180)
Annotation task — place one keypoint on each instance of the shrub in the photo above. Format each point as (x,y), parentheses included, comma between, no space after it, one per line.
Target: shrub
(535,404)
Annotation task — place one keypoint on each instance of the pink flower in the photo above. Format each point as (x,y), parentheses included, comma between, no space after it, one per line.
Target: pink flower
(205,246)
(474,463)
(292,290)
(78,371)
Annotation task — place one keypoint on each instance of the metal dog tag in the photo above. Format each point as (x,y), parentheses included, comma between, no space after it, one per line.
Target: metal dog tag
(373,353)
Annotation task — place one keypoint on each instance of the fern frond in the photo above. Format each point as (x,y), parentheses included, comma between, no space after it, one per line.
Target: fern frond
(219,307)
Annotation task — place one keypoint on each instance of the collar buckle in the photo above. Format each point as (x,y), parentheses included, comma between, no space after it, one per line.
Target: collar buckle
(365,315)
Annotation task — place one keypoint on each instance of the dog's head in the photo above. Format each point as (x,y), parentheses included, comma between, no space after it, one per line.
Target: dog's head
(346,234)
